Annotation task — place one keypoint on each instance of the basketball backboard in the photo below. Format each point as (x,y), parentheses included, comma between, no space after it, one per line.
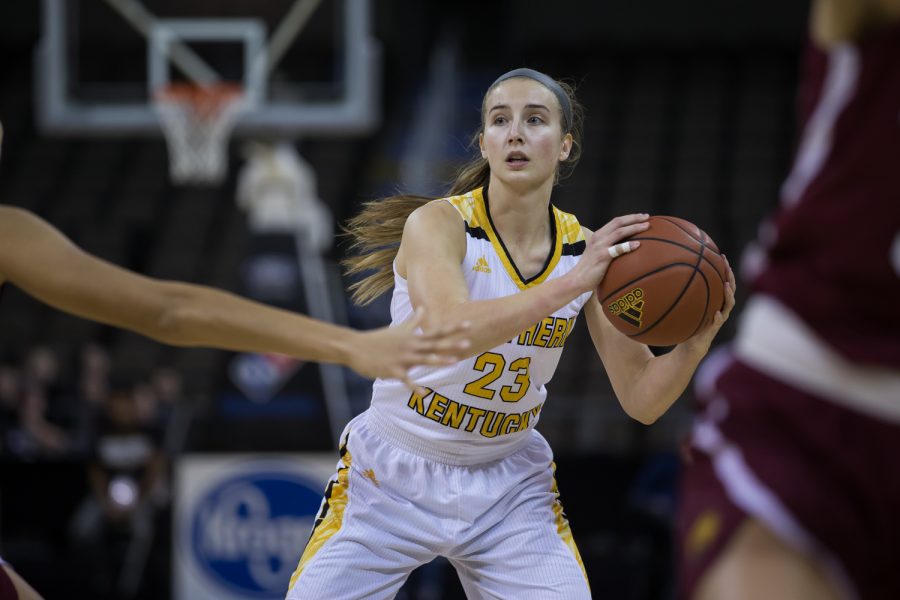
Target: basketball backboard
(307,67)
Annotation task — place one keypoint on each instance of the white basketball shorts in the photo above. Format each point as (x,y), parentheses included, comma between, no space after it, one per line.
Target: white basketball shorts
(388,511)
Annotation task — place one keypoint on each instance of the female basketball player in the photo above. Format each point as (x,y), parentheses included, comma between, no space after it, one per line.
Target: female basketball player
(458,470)
(41,261)
(794,487)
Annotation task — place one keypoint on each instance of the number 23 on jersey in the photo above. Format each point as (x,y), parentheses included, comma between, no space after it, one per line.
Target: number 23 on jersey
(493,365)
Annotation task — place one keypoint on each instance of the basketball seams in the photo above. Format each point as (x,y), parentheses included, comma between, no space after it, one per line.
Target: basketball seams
(684,289)
(671,221)
(674,304)
(644,276)
(705,306)
(699,252)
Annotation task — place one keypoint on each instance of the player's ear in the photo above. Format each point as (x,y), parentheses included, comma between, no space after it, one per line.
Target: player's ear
(481,145)
(566,147)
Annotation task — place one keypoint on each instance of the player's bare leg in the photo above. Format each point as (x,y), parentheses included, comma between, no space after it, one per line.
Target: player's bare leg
(23,589)
(757,565)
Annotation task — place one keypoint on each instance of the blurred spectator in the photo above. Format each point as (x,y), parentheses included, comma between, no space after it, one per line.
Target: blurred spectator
(93,382)
(42,366)
(114,525)
(40,382)
(168,385)
(173,412)
(146,404)
(9,407)
(92,388)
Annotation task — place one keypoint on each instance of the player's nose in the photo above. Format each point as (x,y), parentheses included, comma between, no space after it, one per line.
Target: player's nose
(515,131)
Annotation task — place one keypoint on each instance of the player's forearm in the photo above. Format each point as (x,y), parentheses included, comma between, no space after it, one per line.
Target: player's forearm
(496,321)
(660,383)
(201,316)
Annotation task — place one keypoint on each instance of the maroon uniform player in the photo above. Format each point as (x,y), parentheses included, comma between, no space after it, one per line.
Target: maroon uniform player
(792,490)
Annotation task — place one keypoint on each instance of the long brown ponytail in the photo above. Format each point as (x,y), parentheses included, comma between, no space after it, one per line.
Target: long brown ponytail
(377,229)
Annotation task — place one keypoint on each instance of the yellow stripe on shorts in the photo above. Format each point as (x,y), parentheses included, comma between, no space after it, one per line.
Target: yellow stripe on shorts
(331,516)
(562,524)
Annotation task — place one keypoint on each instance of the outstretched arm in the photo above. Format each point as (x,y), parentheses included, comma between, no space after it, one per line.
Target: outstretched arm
(41,261)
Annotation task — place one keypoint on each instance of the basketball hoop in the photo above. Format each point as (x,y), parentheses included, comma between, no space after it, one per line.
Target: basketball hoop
(197,121)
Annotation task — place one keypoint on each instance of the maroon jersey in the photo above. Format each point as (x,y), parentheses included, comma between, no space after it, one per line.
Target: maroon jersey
(832,250)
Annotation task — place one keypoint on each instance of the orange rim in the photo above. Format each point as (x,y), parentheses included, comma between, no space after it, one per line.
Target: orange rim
(204,100)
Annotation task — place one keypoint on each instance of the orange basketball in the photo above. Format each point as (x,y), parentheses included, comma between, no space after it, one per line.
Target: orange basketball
(663,292)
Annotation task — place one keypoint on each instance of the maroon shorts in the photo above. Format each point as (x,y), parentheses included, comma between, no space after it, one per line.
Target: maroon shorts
(824,478)
(7,589)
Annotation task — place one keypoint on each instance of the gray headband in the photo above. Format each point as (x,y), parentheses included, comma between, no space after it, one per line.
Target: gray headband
(548,82)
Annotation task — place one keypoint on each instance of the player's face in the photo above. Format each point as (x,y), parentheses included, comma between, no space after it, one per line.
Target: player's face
(523,139)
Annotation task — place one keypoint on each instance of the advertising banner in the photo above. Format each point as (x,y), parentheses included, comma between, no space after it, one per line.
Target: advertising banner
(241,522)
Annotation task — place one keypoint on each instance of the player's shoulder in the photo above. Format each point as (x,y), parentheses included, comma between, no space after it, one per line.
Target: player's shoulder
(434,224)
(13,215)
(435,213)
(433,229)
(450,211)
(570,228)
(17,224)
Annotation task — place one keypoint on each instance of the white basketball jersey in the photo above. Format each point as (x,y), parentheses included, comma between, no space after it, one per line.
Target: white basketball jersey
(484,407)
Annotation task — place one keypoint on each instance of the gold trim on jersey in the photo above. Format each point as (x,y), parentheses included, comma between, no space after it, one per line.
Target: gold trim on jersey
(331,515)
(482,214)
(474,209)
(569,227)
(465,205)
(562,523)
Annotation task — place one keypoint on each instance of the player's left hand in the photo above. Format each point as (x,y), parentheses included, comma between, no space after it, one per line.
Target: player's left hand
(702,340)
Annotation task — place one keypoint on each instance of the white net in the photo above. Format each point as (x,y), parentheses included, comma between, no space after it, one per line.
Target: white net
(197,122)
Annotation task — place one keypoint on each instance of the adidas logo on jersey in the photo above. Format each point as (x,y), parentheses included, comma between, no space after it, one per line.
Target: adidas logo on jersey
(481,265)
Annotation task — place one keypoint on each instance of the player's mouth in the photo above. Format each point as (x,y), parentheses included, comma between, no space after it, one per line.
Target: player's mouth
(517,160)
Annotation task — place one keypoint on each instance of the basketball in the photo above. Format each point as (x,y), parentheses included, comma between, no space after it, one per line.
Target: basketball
(663,292)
